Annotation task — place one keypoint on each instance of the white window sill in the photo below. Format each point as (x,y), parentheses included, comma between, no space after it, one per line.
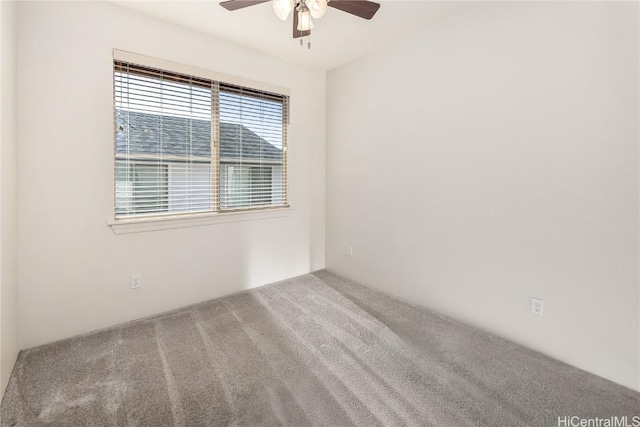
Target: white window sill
(141,225)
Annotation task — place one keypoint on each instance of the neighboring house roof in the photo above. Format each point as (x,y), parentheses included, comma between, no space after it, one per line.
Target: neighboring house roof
(147,130)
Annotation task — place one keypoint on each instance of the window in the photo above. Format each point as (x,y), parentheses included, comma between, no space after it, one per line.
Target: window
(185,144)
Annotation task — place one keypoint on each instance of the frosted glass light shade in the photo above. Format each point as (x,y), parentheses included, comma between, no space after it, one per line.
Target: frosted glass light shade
(282,8)
(317,7)
(304,21)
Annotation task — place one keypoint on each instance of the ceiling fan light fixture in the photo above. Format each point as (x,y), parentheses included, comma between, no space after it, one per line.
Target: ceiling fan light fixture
(282,8)
(304,10)
(317,7)
(304,21)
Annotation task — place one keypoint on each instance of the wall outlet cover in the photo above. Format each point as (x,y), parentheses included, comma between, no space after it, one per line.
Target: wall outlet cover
(537,306)
(136,281)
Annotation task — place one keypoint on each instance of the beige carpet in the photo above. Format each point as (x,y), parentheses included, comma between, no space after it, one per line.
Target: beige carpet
(314,350)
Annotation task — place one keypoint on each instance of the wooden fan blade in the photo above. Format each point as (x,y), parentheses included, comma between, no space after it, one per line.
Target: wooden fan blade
(362,8)
(240,4)
(297,33)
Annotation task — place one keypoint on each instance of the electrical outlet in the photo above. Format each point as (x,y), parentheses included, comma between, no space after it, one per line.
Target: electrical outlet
(349,251)
(136,281)
(537,306)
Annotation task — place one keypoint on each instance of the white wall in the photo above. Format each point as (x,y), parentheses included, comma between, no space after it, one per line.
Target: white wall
(492,159)
(9,344)
(74,272)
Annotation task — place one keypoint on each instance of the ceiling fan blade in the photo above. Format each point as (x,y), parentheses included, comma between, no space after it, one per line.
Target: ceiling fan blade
(362,8)
(240,4)
(297,33)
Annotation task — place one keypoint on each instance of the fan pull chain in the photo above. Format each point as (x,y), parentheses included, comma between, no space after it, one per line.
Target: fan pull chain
(308,41)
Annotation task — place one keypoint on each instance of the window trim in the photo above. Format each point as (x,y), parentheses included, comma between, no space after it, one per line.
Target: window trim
(167,222)
(154,222)
(121,55)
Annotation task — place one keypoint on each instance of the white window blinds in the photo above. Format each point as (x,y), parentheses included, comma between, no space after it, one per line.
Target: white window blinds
(185,144)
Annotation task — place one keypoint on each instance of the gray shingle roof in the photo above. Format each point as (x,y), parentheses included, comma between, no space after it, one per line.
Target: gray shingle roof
(145,135)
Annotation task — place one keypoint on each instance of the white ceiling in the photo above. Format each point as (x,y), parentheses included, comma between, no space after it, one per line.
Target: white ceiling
(337,38)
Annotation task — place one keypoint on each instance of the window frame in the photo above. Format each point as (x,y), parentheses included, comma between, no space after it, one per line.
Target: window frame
(162,221)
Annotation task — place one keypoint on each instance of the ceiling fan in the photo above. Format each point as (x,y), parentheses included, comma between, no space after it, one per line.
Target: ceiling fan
(307,9)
